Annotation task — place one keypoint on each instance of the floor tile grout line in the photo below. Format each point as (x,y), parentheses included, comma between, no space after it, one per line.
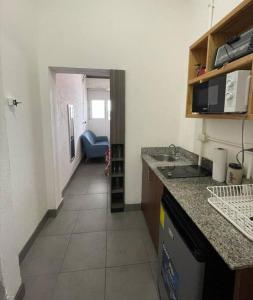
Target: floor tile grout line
(82,194)
(154,281)
(131,264)
(59,271)
(65,252)
(81,270)
(79,210)
(62,262)
(101,268)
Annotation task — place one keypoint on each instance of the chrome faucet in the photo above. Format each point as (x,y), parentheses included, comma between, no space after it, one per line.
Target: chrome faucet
(173,150)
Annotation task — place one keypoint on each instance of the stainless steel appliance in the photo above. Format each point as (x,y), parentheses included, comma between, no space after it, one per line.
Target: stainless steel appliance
(189,268)
(227,93)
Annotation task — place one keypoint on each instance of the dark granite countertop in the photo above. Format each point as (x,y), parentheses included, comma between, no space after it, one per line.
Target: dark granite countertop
(191,193)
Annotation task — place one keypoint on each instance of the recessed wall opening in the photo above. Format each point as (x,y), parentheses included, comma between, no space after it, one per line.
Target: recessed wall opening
(89,132)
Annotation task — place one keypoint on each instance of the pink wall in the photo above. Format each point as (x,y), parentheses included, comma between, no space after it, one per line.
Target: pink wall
(69,90)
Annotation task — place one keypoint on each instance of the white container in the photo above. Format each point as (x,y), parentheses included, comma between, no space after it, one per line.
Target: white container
(219,164)
(234,174)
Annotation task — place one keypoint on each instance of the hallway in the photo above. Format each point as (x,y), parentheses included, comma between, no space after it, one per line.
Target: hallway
(87,253)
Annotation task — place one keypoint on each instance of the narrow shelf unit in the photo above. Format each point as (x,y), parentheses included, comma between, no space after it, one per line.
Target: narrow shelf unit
(203,51)
(117,177)
(117,159)
(117,139)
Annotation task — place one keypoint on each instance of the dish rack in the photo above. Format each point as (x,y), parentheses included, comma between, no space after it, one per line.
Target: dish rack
(235,203)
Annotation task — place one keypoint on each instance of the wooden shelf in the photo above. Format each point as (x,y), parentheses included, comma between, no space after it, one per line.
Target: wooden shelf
(203,52)
(117,175)
(117,191)
(244,63)
(117,159)
(220,116)
(201,42)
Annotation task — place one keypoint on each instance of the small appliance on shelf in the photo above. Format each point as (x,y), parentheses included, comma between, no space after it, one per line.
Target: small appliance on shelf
(228,93)
(237,47)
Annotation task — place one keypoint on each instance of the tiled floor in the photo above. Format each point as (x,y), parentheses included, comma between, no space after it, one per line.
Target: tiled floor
(87,253)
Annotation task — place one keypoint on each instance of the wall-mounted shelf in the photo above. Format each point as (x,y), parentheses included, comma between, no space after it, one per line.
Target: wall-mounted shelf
(220,116)
(244,63)
(203,51)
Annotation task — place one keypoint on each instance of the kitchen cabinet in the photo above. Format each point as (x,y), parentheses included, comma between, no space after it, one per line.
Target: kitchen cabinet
(152,189)
(243,284)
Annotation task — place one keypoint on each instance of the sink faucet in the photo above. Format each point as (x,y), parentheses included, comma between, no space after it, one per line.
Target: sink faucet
(173,150)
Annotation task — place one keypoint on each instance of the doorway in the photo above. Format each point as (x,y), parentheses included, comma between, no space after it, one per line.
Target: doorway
(81,103)
(113,99)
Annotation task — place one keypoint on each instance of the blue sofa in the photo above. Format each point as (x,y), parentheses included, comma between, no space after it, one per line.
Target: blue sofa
(94,146)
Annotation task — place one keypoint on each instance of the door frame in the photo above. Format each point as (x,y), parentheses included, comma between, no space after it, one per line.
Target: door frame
(52,169)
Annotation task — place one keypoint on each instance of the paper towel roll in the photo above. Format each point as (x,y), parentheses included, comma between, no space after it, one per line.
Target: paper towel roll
(219,164)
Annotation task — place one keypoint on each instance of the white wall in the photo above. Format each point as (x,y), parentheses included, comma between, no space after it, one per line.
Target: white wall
(25,193)
(142,37)
(98,83)
(229,130)
(9,268)
(69,89)
(19,65)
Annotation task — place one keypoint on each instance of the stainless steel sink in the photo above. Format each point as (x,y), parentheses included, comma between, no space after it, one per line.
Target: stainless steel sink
(164,157)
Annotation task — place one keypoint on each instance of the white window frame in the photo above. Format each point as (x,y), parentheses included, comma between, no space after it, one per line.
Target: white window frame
(90,109)
(106,112)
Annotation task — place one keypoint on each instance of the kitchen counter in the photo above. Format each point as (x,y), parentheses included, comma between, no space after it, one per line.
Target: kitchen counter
(191,193)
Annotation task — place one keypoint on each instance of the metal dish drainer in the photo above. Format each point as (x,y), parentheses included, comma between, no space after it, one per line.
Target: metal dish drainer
(235,203)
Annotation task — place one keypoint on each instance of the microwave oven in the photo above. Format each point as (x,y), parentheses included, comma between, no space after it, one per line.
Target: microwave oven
(227,93)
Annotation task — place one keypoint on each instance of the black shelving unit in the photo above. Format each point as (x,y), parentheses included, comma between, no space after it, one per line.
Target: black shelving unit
(117,139)
(117,177)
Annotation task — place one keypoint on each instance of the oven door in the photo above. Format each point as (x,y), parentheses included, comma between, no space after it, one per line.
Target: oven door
(216,94)
(209,96)
(200,98)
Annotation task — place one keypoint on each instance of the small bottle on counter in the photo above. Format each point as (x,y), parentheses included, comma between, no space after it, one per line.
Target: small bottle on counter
(234,174)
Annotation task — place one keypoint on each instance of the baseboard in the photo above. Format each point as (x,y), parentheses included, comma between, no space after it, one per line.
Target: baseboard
(31,240)
(68,182)
(51,213)
(21,292)
(132,207)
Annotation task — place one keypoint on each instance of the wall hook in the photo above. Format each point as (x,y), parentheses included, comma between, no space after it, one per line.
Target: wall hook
(13,102)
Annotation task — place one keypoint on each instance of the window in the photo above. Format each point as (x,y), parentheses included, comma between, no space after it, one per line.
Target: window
(100,109)
(109,109)
(97,109)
